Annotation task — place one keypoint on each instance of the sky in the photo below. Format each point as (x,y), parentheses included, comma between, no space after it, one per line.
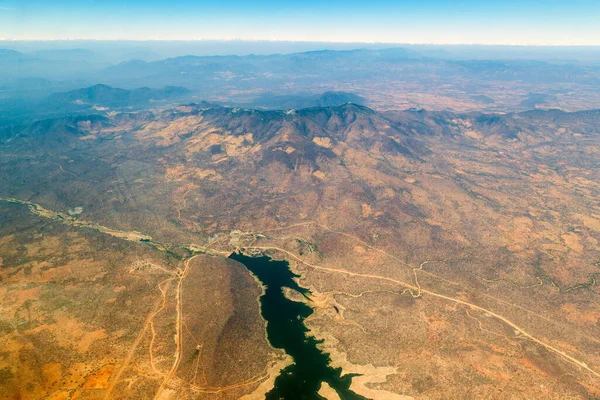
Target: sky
(525,22)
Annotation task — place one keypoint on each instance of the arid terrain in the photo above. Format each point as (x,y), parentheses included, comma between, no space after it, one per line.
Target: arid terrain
(447,255)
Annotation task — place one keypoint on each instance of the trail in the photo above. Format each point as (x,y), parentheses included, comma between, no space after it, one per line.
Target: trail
(71,173)
(184,203)
(216,390)
(481,327)
(135,344)
(472,306)
(179,326)
(162,307)
(63,170)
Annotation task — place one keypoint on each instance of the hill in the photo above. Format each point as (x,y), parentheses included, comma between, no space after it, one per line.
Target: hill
(286,102)
(430,253)
(107,96)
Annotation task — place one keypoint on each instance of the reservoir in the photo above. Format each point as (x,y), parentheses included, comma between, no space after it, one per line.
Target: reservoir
(286,330)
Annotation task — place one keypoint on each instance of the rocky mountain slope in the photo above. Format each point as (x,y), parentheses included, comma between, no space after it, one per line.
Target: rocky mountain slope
(447,255)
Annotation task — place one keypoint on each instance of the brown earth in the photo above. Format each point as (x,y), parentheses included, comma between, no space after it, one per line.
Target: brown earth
(450,255)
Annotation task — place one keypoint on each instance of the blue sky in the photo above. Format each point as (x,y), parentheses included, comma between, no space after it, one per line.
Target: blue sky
(552,22)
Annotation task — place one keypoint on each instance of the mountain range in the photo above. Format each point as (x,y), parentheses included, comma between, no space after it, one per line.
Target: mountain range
(358,224)
(394,78)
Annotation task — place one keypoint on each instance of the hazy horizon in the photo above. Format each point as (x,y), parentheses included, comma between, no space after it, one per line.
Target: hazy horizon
(535,22)
(153,50)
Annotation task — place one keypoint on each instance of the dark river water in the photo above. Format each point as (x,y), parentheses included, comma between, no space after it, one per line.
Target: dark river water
(286,330)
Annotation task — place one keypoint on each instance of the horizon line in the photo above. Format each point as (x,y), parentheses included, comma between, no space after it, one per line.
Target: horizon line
(3,39)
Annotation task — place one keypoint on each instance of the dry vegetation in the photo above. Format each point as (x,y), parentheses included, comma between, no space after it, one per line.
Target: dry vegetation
(448,256)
